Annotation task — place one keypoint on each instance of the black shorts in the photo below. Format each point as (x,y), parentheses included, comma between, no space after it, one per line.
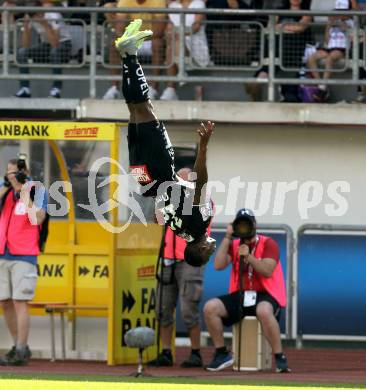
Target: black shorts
(232,303)
(151,154)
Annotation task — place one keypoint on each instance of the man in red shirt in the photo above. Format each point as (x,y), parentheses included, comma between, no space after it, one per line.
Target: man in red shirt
(257,288)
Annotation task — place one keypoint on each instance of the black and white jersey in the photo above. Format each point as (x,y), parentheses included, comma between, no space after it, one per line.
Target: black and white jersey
(175,202)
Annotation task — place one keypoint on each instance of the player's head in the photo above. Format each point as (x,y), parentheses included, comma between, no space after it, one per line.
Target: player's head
(198,252)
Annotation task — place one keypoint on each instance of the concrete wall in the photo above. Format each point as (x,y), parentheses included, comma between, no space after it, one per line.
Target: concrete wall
(312,157)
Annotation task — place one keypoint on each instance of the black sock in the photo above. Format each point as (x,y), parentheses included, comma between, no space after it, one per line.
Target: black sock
(221,350)
(136,86)
(279,355)
(167,352)
(195,352)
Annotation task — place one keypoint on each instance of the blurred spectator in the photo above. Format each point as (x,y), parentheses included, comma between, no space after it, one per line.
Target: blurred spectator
(195,42)
(328,5)
(337,42)
(9,4)
(233,4)
(54,46)
(355,4)
(295,34)
(154,47)
(228,44)
(81,3)
(14,3)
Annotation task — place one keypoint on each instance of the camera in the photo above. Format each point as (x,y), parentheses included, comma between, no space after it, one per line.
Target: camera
(22,161)
(21,176)
(244,225)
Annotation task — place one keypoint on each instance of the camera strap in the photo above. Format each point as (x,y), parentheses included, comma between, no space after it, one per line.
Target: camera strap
(250,268)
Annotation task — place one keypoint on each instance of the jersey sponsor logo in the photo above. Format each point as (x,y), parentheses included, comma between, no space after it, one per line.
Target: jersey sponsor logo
(141,174)
(141,77)
(83,132)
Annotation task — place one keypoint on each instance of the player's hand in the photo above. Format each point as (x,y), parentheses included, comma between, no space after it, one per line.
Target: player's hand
(205,131)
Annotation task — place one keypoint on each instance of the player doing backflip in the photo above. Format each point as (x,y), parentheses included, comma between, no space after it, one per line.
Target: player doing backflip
(183,205)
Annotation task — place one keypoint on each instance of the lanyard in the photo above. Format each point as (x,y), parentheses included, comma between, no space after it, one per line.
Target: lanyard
(250,268)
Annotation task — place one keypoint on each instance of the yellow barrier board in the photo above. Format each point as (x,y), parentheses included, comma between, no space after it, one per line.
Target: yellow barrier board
(75,274)
(75,131)
(92,272)
(135,300)
(53,272)
(91,283)
(53,283)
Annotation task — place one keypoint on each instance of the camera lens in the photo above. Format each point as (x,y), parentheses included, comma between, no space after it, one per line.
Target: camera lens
(244,228)
(21,163)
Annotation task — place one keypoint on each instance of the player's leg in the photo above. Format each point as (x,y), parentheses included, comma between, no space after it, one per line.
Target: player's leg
(134,84)
(147,135)
(128,93)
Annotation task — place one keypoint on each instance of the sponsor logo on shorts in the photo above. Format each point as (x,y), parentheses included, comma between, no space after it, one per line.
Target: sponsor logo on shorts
(141,174)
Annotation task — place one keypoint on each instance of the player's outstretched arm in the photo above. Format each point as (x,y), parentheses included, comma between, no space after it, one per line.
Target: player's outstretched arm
(200,167)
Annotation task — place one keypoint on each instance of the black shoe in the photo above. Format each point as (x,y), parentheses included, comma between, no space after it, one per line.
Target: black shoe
(165,359)
(281,364)
(194,360)
(16,357)
(24,92)
(220,361)
(28,352)
(55,93)
(9,355)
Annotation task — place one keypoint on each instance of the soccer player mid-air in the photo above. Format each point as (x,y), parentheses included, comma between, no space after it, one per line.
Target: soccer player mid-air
(184,207)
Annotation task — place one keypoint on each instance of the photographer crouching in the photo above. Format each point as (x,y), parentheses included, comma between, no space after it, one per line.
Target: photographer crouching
(257,288)
(22,212)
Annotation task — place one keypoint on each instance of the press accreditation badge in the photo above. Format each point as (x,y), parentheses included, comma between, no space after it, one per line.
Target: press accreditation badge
(250,298)
(20,208)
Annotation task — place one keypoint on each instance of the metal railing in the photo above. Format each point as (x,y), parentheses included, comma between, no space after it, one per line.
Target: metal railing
(240,47)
